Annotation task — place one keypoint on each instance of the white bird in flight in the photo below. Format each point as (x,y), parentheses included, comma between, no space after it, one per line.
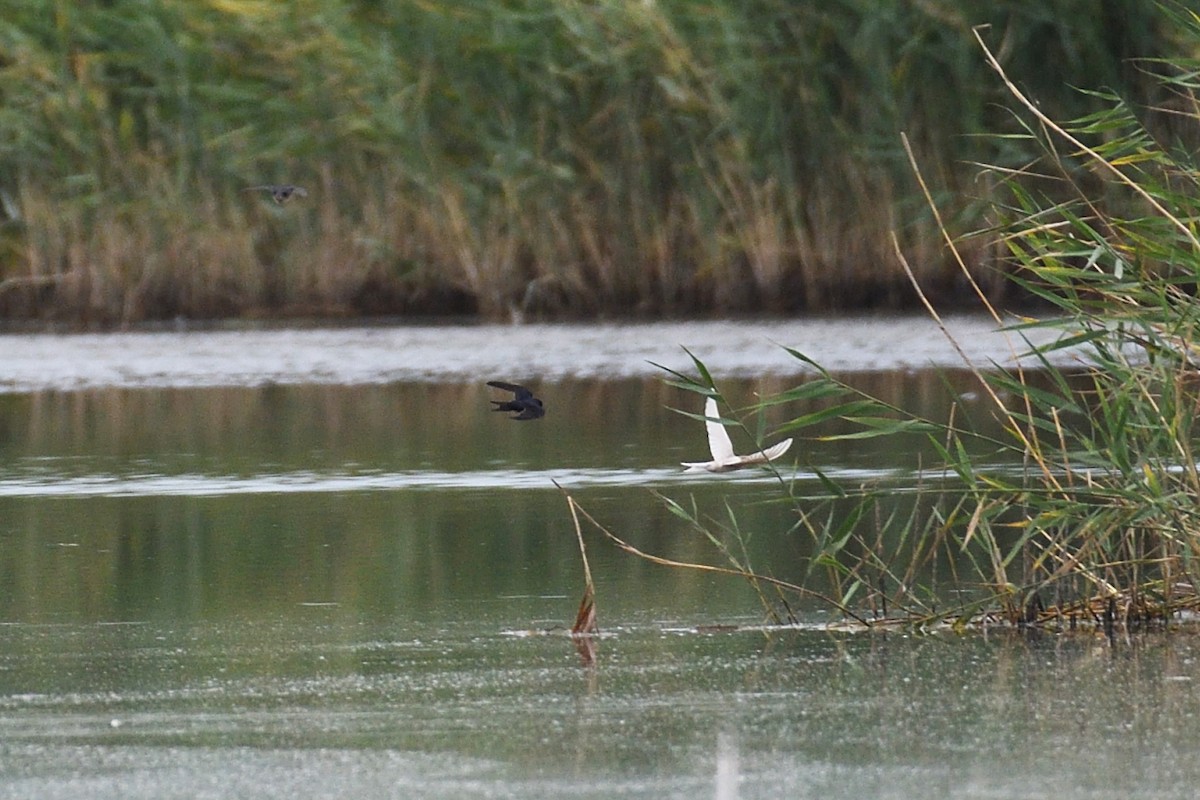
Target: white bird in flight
(723,457)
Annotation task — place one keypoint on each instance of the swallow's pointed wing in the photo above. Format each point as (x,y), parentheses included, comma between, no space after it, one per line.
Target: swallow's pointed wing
(520,391)
(718,438)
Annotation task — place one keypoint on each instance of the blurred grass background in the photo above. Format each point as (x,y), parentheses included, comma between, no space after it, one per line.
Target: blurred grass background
(515,158)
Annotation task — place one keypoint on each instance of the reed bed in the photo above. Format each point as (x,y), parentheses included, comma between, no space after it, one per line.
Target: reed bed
(517,159)
(1098,524)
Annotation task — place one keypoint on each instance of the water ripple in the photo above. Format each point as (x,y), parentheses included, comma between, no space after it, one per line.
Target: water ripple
(304,481)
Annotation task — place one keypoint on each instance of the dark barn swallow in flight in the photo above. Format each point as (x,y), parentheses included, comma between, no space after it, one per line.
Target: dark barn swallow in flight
(524,403)
(280,193)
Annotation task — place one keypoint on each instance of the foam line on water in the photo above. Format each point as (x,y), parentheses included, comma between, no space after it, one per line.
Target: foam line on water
(304,481)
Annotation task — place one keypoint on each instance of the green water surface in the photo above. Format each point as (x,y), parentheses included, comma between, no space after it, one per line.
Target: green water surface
(362,592)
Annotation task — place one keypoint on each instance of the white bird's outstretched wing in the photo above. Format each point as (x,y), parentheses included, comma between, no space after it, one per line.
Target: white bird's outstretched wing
(721,447)
(719,443)
(776,450)
(769,454)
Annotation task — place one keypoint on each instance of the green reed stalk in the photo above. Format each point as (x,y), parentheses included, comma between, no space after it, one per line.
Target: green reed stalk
(1097,520)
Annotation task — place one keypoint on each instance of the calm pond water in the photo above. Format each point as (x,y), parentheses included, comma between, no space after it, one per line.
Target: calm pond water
(231,588)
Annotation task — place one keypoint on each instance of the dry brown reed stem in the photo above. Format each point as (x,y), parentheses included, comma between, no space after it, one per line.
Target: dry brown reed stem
(1097,158)
(945,233)
(585,619)
(1130,607)
(1031,447)
(738,573)
(1066,562)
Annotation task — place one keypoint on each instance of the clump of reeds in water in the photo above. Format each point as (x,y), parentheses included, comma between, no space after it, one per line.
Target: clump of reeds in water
(1093,518)
(520,158)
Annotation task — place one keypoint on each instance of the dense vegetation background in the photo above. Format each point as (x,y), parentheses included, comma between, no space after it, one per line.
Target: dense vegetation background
(523,158)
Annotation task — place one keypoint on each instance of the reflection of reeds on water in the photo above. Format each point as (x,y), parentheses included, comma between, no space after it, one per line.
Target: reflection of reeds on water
(1148,605)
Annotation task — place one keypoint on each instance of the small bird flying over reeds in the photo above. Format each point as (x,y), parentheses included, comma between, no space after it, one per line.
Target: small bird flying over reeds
(280,192)
(719,444)
(524,403)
